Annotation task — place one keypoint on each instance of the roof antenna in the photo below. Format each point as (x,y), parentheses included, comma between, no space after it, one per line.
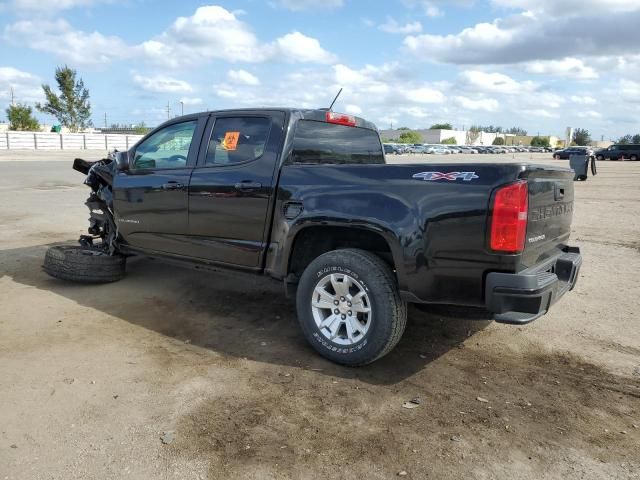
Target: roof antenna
(334,100)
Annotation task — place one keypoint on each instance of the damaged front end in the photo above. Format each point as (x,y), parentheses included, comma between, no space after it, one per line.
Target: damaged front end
(103,231)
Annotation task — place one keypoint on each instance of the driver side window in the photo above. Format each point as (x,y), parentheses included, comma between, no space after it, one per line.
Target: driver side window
(167,148)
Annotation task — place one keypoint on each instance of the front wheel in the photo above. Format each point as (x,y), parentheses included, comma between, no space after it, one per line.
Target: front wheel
(349,307)
(556,157)
(600,157)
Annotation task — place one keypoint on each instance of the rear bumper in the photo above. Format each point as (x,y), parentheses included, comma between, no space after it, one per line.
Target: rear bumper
(519,298)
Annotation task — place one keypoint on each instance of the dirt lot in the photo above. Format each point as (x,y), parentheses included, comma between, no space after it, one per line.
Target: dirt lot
(91,377)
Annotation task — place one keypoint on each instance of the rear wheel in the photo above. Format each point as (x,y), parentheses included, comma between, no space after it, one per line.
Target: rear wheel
(83,265)
(349,307)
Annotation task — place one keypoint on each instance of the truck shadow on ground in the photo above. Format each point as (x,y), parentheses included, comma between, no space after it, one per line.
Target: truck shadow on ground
(238,315)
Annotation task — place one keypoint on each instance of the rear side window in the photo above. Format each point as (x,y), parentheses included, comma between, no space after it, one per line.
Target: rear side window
(237,140)
(326,143)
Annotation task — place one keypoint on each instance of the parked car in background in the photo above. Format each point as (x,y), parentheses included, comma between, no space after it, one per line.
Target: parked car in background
(390,149)
(467,149)
(618,152)
(416,149)
(437,150)
(565,153)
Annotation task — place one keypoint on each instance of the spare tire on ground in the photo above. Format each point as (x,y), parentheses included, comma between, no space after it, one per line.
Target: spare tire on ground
(83,265)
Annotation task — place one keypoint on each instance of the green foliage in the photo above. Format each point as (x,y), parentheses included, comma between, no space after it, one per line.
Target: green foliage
(498,141)
(540,142)
(581,136)
(71,107)
(141,129)
(403,128)
(627,139)
(489,129)
(410,136)
(449,141)
(441,126)
(21,118)
(517,131)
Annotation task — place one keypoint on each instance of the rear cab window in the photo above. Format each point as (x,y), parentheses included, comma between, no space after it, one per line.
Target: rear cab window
(325,143)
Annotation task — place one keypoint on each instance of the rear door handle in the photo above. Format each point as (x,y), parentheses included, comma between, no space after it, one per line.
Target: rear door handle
(172,186)
(246,185)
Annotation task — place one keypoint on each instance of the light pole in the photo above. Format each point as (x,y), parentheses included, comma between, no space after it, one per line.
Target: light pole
(181,107)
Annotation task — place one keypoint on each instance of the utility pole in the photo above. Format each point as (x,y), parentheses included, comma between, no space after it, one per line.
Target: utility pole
(105,119)
(12,97)
(168,111)
(181,107)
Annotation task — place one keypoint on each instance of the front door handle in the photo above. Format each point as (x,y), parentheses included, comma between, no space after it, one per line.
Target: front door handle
(172,186)
(246,185)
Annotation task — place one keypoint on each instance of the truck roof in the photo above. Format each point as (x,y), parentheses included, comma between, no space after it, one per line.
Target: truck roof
(318,114)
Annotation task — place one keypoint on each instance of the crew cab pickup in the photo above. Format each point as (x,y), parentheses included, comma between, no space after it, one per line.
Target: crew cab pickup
(305,197)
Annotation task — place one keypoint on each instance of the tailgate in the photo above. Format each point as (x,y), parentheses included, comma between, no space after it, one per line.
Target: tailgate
(550,213)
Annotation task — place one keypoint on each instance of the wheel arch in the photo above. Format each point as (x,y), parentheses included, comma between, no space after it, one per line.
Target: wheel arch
(311,241)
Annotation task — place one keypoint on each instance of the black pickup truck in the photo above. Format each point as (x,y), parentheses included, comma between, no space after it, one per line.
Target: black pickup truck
(305,197)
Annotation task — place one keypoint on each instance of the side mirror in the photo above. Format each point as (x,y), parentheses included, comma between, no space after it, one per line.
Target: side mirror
(122,161)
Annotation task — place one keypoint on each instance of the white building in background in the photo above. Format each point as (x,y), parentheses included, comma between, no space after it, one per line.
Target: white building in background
(463,137)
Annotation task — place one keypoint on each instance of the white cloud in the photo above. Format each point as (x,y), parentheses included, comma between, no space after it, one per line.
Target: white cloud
(213,32)
(353,109)
(486,104)
(225,91)
(242,77)
(60,39)
(589,114)
(162,84)
(191,100)
(495,83)
(297,47)
(299,5)
(629,90)
(569,7)
(583,100)
(424,95)
(392,26)
(26,87)
(540,112)
(566,67)
(533,36)
(415,112)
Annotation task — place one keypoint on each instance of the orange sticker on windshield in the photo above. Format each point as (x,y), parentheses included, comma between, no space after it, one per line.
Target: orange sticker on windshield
(230,141)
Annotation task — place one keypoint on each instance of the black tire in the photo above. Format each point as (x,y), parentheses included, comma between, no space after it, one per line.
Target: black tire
(600,157)
(388,310)
(83,265)
(633,158)
(556,157)
(594,169)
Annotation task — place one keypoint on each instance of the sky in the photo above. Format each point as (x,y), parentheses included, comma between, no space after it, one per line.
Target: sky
(542,65)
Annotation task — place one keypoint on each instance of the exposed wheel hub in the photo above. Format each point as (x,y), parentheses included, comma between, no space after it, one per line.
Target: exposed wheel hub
(341,309)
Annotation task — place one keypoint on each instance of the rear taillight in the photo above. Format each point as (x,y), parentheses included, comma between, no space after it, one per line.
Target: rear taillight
(509,218)
(341,119)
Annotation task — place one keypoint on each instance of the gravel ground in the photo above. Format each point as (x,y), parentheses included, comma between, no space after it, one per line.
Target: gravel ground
(91,377)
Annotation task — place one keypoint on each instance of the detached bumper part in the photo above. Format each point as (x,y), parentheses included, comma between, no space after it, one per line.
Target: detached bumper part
(519,298)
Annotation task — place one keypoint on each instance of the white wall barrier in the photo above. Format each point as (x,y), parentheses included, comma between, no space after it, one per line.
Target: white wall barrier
(65,141)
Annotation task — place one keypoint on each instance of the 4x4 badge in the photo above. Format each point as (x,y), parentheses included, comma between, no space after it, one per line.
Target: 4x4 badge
(451,176)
